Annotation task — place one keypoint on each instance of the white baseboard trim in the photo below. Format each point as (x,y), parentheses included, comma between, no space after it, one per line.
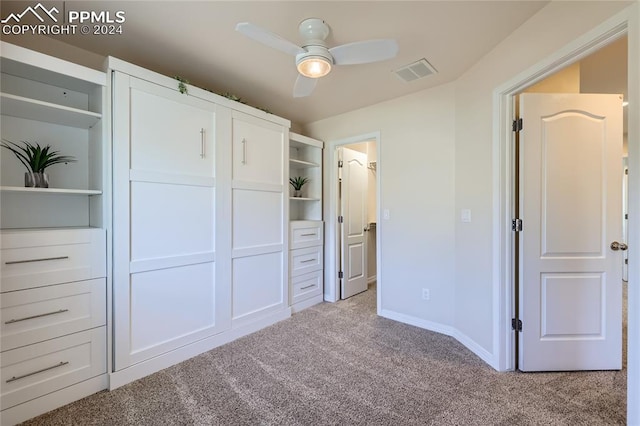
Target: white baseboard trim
(447,330)
(160,362)
(306,303)
(46,403)
(372,279)
(474,347)
(418,322)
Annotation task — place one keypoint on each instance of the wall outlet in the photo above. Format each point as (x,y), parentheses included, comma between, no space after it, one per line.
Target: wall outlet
(426,295)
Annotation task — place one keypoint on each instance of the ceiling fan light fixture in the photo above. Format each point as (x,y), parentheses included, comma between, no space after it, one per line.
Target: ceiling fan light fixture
(313,66)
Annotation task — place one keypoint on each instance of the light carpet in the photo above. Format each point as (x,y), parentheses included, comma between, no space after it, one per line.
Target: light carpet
(340,364)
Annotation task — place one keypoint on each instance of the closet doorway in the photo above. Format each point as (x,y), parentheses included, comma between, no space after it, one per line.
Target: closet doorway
(352,226)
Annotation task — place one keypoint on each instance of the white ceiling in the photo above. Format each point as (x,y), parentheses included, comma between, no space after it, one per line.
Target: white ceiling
(197,41)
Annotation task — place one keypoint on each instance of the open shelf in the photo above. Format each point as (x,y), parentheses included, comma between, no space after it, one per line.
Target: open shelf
(300,164)
(49,190)
(304,199)
(33,109)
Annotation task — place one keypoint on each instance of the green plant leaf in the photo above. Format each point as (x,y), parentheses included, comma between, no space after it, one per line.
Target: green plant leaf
(34,157)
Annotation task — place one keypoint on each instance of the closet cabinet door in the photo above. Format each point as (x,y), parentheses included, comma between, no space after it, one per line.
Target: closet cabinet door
(164,221)
(259,271)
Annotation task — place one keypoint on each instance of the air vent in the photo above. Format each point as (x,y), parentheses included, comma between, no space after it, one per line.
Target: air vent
(416,70)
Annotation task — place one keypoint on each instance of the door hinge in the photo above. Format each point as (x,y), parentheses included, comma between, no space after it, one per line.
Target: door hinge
(516,324)
(340,164)
(626,261)
(340,219)
(517,125)
(516,225)
(340,275)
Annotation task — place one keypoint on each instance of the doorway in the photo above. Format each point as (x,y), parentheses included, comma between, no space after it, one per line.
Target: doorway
(603,71)
(367,145)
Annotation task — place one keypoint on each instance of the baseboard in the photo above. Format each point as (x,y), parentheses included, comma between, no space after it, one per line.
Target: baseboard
(372,279)
(418,322)
(160,362)
(306,303)
(447,330)
(474,347)
(46,403)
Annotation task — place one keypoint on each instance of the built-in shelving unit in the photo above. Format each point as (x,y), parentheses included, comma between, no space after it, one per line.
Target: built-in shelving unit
(305,159)
(46,101)
(306,229)
(53,243)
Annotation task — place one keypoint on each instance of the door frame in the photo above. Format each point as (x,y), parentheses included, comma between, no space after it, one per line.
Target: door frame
(626,22)
(331,253)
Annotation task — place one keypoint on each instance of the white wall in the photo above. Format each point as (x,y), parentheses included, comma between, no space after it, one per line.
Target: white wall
(416,172)
(553,27)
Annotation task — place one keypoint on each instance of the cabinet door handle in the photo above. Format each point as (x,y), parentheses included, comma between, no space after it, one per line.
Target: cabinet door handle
(244,151)
(308,235)
(43,259)
(307,286)
(202,143)
(36,316)
(14,378)
(308,260)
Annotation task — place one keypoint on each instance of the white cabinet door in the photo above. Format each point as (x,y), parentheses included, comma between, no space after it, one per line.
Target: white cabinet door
(259,266)
(258,150)
(164,221)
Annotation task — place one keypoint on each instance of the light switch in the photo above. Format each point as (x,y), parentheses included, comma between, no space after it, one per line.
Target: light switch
(465,215)
(385,214)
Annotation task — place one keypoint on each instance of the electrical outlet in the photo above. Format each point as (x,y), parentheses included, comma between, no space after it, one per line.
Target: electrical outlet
(426,295)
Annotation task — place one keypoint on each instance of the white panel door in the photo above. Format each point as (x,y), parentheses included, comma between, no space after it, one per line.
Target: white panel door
(353,203)
(259,267)
(164,221)
(571,186)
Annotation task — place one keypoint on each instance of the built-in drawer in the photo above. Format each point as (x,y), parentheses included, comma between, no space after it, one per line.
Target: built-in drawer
(303,261)
(305,286)
(305,233)
(39,369)
(35,258)
(31,316)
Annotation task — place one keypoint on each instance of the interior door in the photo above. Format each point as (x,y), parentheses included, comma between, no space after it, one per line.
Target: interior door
(353,204)
(570,267)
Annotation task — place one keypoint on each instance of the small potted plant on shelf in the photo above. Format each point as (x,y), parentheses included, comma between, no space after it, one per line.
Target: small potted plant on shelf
(297,183)
(36,159)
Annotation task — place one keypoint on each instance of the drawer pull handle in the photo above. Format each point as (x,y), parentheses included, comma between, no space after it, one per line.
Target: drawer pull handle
(308,260)
(244,151)
(307,286)
(308,235)
(14,378)
(44,259)
(36,316)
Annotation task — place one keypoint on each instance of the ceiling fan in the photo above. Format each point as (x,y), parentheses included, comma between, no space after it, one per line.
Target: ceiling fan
(314,59)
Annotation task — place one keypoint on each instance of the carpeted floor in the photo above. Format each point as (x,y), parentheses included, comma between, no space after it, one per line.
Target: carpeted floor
(340,364)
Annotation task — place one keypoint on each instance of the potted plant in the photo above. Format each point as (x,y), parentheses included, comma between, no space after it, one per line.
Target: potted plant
(297,183)
(36,159)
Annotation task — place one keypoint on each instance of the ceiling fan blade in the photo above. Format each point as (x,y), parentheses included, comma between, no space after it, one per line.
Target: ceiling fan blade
(362,52)
(268,38)
(304,86)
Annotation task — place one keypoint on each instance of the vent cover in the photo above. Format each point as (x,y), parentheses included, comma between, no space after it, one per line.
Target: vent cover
(416,70)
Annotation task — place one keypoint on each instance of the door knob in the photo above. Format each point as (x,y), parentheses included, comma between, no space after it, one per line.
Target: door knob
(618,246)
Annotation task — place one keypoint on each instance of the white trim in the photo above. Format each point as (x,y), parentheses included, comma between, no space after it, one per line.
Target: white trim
(330,181)
(299,306)
(152,365)
(51,401)
(373,278)
(448,330)
(627,21)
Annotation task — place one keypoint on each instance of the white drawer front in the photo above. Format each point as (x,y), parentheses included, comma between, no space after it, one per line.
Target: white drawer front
(306,286)
(38,258)
(36,370)
(31,316)
(306,233)
(303,261)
